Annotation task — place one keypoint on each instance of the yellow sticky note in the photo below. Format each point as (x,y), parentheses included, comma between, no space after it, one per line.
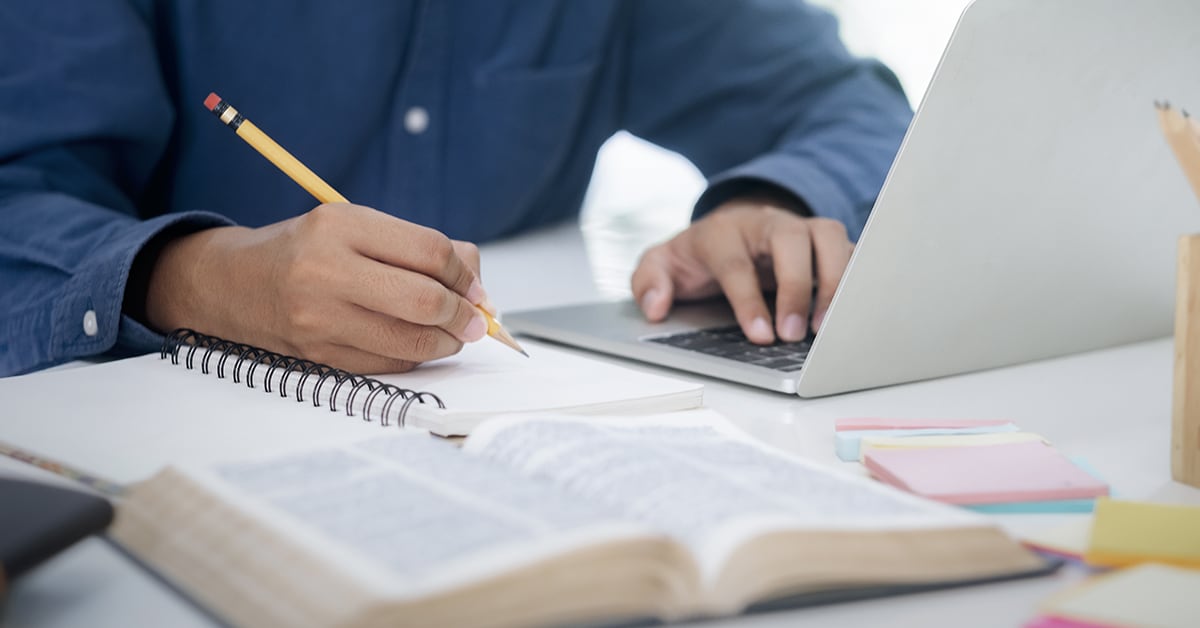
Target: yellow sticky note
(1147,595)
(946,440)
(1126,533)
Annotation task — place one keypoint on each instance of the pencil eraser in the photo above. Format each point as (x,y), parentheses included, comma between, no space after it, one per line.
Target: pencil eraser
(212,101)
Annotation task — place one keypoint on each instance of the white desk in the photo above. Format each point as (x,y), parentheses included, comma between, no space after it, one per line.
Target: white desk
(1111,407)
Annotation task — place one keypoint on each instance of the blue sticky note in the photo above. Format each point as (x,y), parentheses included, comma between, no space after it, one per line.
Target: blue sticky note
(848,443)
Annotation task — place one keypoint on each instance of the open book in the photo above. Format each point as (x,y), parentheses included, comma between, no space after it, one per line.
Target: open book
(127,419)
(541,521)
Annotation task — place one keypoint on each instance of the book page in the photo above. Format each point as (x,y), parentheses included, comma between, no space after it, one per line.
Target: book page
(694,477)
(487,378)
(416,507)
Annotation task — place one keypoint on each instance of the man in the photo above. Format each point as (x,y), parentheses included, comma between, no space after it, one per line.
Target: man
(126,211)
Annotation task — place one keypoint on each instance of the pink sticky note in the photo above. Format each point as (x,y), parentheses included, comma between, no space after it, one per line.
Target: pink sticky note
(988,474)
(1049,621)
(865,423)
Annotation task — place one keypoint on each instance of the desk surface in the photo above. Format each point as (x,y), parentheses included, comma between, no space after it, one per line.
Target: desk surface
(1111,407)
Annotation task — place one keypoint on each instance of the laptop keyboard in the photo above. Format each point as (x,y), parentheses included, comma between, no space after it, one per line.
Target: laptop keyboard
(731,343)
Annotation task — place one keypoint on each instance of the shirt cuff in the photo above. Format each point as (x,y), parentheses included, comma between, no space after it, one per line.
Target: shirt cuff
(810,190)
(87,318)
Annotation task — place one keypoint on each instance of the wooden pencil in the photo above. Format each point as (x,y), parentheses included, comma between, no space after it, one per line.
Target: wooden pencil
(314,184)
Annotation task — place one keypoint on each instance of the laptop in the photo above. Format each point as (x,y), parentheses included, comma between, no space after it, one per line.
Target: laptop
(1032,211)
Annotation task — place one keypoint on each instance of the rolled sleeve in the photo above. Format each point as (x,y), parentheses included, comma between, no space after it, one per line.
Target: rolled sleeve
(763,93)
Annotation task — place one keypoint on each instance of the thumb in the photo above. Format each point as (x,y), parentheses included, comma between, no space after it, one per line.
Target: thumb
(653,289)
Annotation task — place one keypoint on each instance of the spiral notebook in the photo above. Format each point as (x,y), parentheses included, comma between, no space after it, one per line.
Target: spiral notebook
(202,399)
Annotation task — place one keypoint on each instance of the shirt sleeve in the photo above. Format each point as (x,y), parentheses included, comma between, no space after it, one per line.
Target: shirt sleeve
(761,94)
(84,121)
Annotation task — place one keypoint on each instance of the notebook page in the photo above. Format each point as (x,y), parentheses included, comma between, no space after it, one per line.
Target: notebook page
(487,378)
(413,511)
(126,420)
(693,477)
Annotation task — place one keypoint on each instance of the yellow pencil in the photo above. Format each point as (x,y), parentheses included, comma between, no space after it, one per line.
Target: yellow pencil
(308,180)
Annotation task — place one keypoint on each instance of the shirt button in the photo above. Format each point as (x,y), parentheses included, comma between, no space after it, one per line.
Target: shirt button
(416,120)
(90,327)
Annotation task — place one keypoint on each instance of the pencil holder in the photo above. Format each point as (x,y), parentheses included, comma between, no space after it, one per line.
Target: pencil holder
(1185,420)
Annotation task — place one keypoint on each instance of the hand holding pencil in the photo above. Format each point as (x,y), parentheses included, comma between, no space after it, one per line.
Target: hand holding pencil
(342,284)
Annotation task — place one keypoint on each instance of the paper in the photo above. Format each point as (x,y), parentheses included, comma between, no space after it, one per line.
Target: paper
(950,440)
(703,485)
(982,475)
(1148,595)
(124,420)
(415,504)
(1068,540)
(848,443)
(1126,532)
(856,423)
(1061,622)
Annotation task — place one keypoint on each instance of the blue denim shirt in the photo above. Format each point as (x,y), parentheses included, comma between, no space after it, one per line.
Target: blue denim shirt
(480,118)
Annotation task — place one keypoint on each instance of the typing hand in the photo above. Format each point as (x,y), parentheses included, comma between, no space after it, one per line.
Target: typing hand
(742,248)
(342,284)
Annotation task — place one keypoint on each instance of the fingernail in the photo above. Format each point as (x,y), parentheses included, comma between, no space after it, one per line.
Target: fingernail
(760,330)
(487,305)
(649,299)
(476,329)
(818,318)
(792,328)
(475,293)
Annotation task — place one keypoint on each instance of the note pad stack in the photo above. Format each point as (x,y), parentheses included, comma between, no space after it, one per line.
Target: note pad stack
(991,467)
(544,521)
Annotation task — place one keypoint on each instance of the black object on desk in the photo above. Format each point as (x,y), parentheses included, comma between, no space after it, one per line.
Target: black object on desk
(39,520)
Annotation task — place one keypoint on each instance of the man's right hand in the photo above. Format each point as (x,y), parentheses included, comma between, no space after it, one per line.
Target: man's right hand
(345,285)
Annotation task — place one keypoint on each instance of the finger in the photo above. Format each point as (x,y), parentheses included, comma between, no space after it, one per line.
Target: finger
(653,289)
(413,297)
(470,254)
(831,254)
(729,259)
(391,338)
(411,246)
(791,256)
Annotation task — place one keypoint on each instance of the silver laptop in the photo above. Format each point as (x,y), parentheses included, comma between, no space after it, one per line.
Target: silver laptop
(1032,211)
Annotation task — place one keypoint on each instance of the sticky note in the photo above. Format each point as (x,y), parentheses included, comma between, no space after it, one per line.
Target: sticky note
(1126,532)
(948,440)
(847,444)
(1061,622)
(1048,506)
(1068,540)
(988,474)
(1147,595)
(856,423)
(1043,507)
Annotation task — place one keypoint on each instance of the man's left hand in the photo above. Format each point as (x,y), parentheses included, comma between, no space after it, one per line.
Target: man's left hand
(741,249)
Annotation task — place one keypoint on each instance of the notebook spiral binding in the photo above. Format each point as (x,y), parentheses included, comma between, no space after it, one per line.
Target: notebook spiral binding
(250,361)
